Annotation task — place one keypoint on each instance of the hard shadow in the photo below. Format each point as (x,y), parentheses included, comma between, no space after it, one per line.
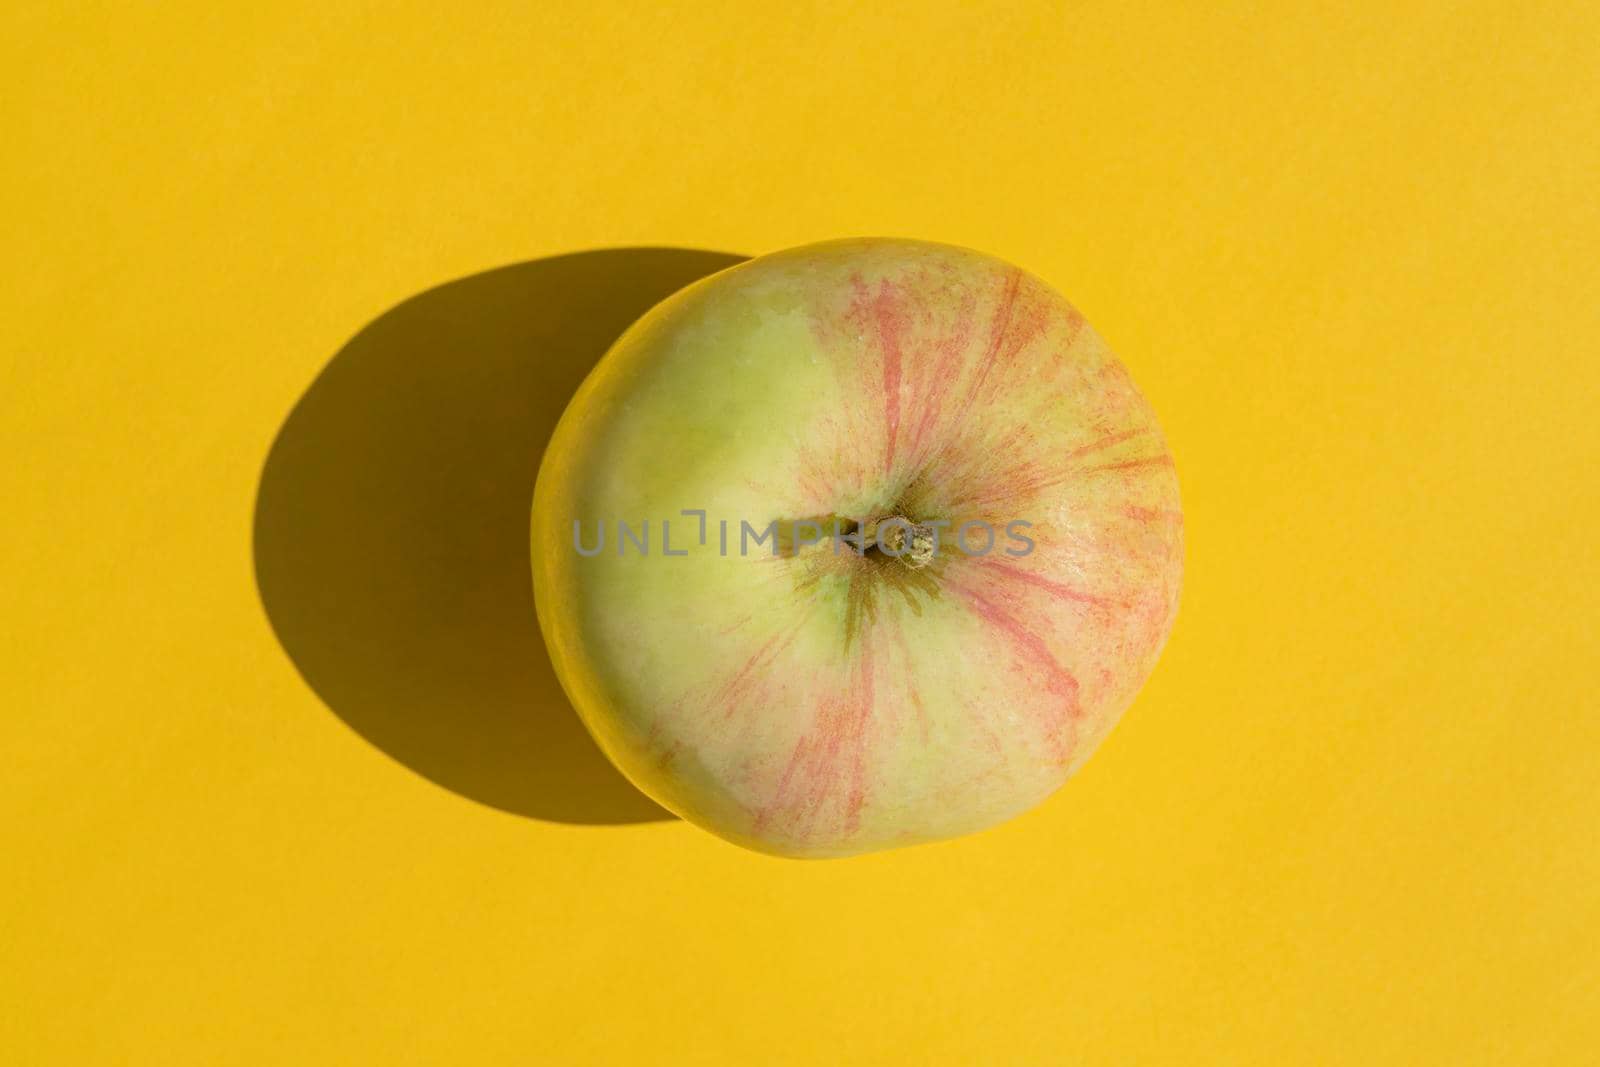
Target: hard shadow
(391,526)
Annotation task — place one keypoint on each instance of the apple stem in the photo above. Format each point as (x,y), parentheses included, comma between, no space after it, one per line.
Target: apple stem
(912,543)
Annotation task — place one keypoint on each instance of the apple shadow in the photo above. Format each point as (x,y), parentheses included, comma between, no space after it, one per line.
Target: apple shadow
(391,526)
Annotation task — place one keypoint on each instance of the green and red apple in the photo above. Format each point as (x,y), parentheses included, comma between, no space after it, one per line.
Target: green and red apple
(854,546)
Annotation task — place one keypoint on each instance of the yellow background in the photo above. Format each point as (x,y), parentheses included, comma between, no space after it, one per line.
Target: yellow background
(1349,252)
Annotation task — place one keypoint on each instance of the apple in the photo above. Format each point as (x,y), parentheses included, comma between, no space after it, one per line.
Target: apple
(856,545)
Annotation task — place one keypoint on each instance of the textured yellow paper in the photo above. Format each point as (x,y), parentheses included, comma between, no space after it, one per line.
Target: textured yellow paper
(259,808)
